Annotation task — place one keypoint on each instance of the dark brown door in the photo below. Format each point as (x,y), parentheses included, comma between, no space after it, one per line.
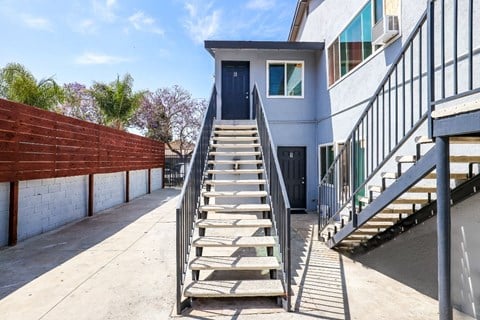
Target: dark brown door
(293,163)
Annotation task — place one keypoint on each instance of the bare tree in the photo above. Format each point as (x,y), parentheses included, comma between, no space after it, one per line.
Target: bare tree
(171,115)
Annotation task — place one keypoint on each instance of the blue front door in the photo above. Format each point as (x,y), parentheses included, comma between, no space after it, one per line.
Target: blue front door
(235,90)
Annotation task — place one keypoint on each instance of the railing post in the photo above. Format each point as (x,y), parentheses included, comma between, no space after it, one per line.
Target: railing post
(354,179)
(443,229)
(431,63)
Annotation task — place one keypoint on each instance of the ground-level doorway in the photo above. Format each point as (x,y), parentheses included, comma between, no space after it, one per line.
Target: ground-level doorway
(293,163)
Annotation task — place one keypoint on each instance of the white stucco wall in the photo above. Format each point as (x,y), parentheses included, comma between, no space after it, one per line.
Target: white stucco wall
(4,207)
(157,179)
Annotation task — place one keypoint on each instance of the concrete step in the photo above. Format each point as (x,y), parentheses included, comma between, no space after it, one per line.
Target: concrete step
(454,176)
(235,207)
(465,159)
(423,190)
(377,189)
(234,182)
(235,139)
(389,175)
(234,288)
(235,145)
(456,109)
(452,140)
(235,132)
(235,162)
(234,263)
(239,171)
(421,201)
(235,126)
(235,154)
(235,194)
(234,223)
(406,159)
(241,242)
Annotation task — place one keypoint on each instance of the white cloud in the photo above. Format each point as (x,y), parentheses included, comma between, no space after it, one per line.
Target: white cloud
(38,23)
(105,9)
(86,26)
(96,58)
(142,22)
(202,22)
(260,4)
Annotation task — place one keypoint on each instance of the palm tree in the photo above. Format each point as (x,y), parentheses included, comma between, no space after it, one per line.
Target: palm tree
(18,84)
(116,100)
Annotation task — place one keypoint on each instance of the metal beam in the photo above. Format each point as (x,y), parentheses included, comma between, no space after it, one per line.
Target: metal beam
(466,123)
(443,229)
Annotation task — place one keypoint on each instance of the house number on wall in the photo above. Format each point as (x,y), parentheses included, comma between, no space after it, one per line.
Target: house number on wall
(235,74)
(291,155)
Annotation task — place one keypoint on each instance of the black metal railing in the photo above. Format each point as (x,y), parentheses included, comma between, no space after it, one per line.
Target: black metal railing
(453,45)
(396,110)
(280,205)
(187,207)
(176,168)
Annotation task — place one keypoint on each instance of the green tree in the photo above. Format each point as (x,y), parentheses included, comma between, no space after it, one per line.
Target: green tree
(116,100)
(18,84)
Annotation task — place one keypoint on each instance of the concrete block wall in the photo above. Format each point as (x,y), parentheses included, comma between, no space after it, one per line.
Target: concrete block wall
(157,179)
(4,205)
(47,204)
(138,183)
(109,190)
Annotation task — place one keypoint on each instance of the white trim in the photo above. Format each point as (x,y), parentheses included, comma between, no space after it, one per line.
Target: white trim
(285,62)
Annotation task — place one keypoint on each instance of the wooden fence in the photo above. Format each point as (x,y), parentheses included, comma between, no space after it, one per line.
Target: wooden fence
(38,144)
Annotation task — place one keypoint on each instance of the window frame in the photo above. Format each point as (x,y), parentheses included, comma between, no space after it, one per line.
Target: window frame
(284,62)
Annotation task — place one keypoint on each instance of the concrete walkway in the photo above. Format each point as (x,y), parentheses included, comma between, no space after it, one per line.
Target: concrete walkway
(120,264)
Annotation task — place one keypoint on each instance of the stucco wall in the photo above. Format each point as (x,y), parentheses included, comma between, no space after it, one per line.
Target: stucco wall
(138,183)
(109,190)
(157,179)
(411,258)
(292,120)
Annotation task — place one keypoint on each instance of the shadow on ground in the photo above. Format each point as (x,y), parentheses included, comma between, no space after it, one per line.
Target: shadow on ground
(19,266)
(318,284)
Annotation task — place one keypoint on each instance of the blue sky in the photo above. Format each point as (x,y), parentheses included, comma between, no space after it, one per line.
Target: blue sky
(159,42)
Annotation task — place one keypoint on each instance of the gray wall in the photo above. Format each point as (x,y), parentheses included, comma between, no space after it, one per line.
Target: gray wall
(411,258)
(292,120)
(4,205)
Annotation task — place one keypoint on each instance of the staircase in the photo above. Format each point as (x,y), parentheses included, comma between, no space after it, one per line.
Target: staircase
(388,176)
(234,246)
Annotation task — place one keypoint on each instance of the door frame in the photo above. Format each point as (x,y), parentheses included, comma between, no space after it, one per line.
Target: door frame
(305,148)
(247,62)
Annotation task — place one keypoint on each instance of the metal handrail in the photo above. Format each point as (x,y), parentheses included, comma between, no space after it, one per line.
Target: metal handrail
(280,205)
(187,207)
(396,110)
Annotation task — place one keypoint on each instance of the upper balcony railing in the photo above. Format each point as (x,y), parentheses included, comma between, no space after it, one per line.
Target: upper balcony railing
(189,202)
(277,193)
(395,111)
(454,48)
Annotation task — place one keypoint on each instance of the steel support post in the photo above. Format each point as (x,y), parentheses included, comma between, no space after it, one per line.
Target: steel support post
(443,229)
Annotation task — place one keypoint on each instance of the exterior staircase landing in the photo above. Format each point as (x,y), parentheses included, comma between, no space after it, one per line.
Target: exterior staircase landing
(234,246)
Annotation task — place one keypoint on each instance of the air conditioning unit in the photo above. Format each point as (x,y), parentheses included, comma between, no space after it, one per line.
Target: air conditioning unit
(385,30)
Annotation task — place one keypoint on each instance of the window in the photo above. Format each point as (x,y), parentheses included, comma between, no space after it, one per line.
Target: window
(285,79)
(326,159)
(377,11)
(353,46)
